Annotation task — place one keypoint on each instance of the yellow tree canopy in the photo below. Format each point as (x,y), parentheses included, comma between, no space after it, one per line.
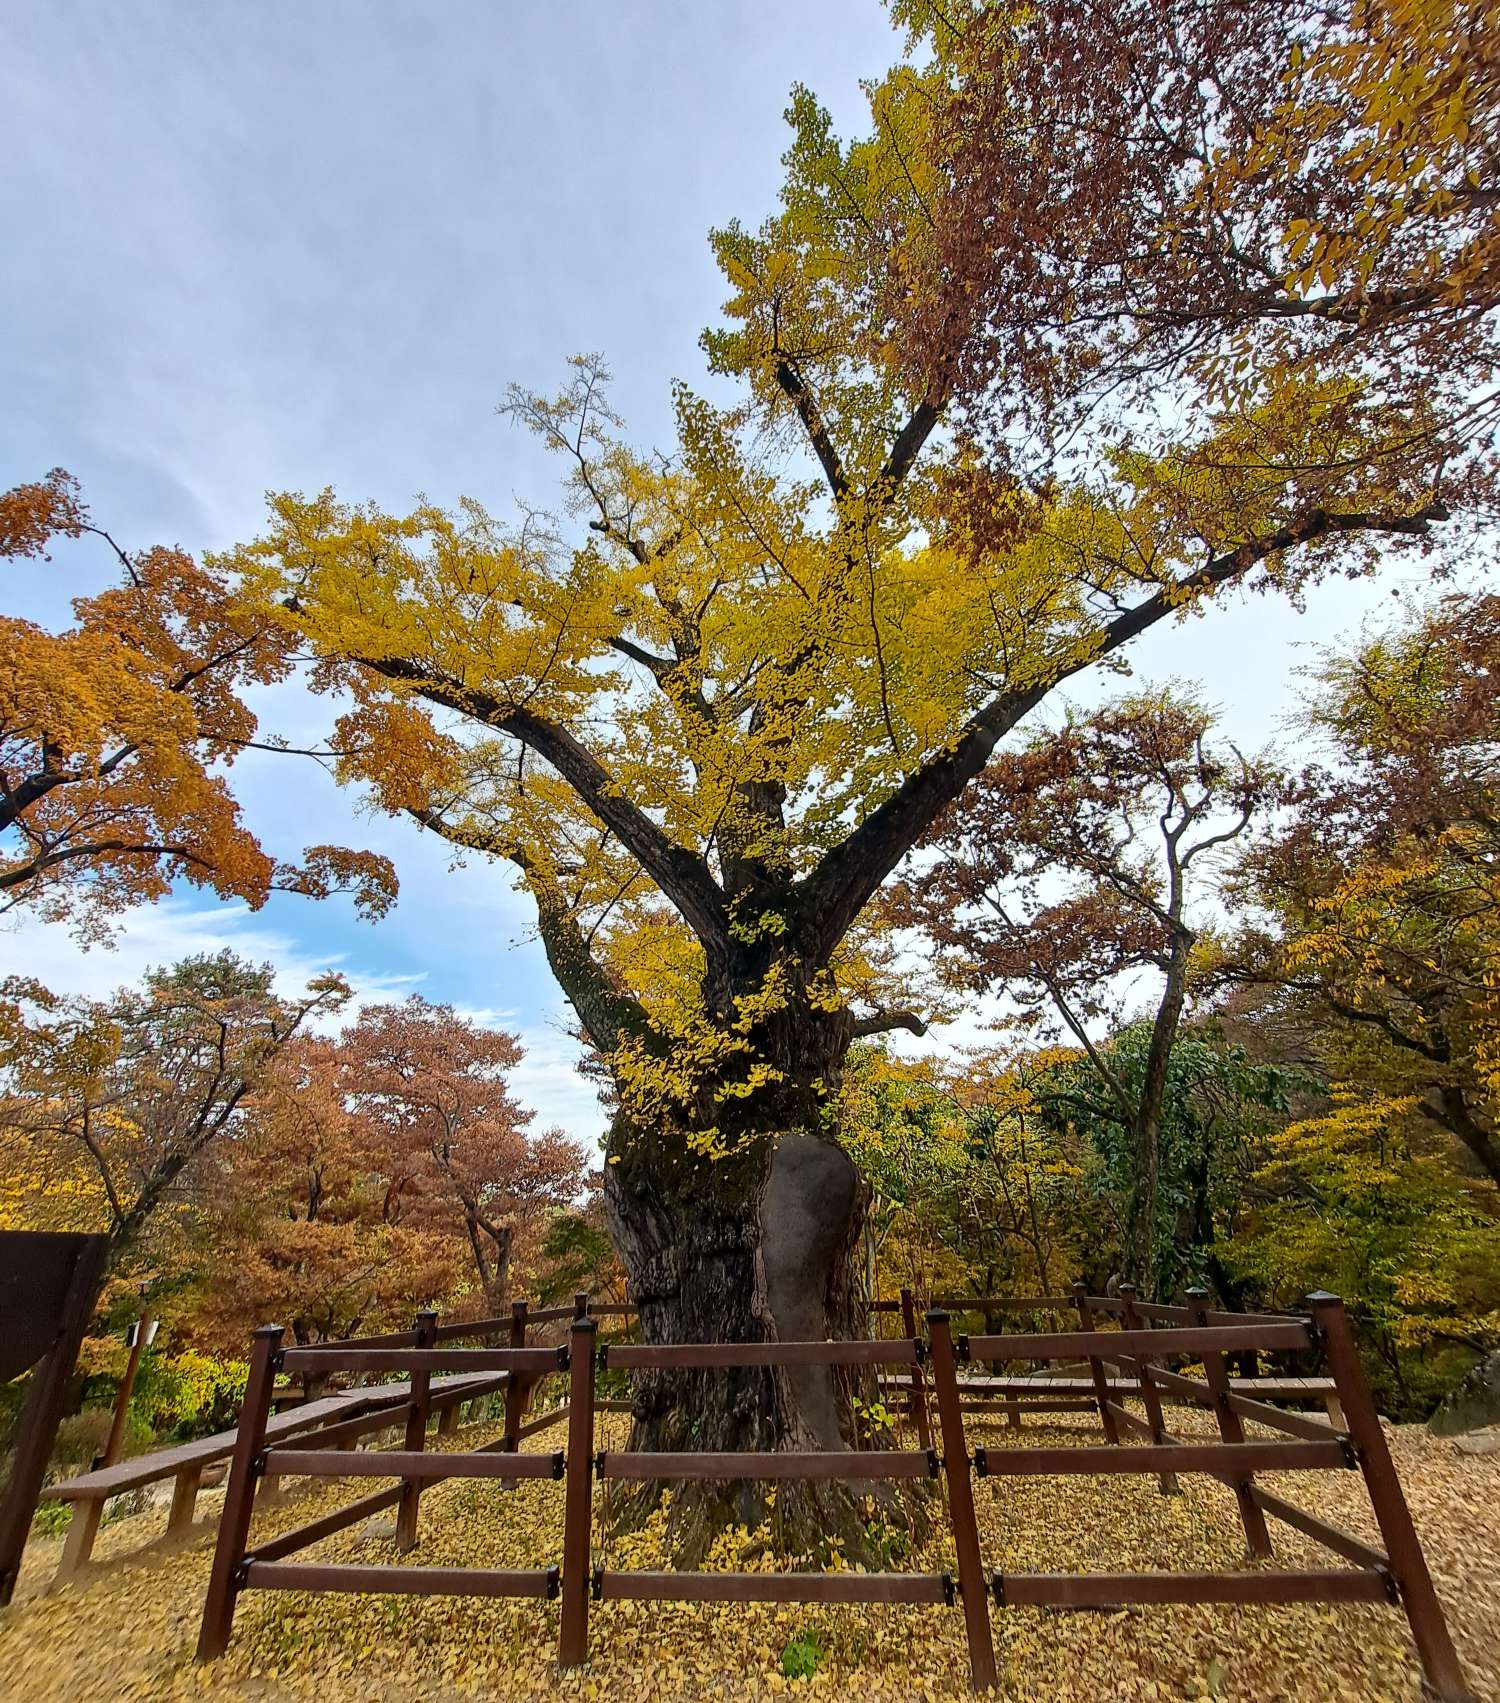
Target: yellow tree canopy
(708,710)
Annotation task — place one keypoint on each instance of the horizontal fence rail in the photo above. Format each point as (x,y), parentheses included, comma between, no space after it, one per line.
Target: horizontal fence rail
(643,1467)
(1164,1457)
(610,1586)
(1111,1590)
(735,1355)
(404,1581)
(405,1463)
(424,1359)
(1073,1345)
(1134,1339)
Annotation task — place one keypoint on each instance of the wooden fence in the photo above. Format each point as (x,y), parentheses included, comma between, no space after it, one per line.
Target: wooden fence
(1119,1332)
(48,1282)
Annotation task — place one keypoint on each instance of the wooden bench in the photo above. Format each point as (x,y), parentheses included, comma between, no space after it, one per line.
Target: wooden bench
(336,1421)
(1014,1396)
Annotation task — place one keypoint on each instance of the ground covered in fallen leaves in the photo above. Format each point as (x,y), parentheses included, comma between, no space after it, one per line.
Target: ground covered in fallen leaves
(127,1628)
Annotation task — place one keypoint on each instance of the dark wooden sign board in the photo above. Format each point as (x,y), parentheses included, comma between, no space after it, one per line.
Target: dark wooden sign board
(47,1287)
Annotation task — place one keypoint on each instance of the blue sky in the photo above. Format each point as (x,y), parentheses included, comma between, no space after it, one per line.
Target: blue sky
(282,245)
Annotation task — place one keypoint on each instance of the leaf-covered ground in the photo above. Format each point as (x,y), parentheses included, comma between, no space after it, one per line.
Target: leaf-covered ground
(128,1630)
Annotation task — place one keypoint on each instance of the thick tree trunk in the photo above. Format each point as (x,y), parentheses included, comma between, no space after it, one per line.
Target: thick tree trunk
(760,1247)
(1451,1110)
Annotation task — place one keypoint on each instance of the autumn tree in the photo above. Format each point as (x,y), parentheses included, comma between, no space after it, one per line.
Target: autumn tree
(1235,199)
(293,1219)
(112,1103)
(1379,912)
(1075,866)
(450,1137)
(114,734)
(1351,1197)
(1221,1110)
(974,1186)
(707,713)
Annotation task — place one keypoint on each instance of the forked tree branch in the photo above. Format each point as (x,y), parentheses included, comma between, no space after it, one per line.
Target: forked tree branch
(835,892)
(682,875)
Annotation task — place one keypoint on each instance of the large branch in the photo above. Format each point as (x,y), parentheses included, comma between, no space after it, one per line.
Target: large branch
(905,448)
(15,801)
(811,416)
(836,891)
(607,1014)
(682,876)
(18,875)
(908,445)
(882,1022)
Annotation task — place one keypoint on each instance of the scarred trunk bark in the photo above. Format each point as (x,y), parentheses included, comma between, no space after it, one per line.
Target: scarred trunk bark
(758,1248)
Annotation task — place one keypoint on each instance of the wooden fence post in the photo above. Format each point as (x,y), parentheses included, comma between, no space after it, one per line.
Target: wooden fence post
(239,1496)
(1096,1366)
(578,1507)
(971,1581)
(917,1407)
(116,1439)
(1130,1319)
(1429,1628)
(1257,1536)
(517,1390)
(43,1405)
(416,1434)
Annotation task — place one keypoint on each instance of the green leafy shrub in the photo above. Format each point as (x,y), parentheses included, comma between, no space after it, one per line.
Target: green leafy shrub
(188,1394)
(799,1660)
(51,1519)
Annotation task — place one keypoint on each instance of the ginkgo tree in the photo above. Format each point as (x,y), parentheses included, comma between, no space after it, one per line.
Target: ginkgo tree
(708,710)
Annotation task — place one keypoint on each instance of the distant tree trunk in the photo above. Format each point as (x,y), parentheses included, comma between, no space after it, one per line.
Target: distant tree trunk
(1141,1223)
(493,1267)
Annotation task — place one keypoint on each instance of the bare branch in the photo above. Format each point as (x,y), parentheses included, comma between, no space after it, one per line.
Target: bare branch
(882,1022)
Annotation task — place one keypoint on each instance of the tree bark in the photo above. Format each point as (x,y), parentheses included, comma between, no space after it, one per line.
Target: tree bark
(761,1247)
(1140,1250)
(1451,1111)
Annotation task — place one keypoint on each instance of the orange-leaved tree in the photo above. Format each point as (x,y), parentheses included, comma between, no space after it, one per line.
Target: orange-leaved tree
(1224,199)
(451,1139)
(114,731)
(112,1105)
(293,1219)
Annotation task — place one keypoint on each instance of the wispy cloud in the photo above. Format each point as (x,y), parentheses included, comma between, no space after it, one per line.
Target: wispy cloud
(150,935)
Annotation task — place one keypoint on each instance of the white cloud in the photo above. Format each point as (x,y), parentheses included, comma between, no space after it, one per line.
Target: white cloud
(547,1079)
(152,935)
